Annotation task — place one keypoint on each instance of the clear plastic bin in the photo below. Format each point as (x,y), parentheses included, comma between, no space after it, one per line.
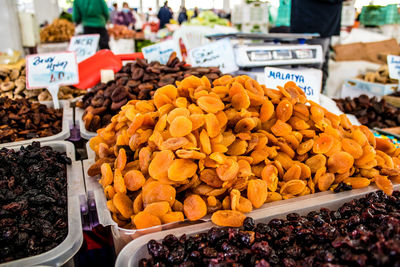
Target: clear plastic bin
(63,135)
(90,153)
(64,252)
(120,235)
(123,236)
(84,133)
(137,249)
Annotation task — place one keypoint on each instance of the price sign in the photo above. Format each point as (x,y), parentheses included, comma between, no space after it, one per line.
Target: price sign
(51,71)
(310,80)
(219,54)
(394,67)
(84,45)
(160,52)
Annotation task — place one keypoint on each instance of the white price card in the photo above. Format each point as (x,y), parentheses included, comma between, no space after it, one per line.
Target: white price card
(394,66)
(161,51)
(216,54)
(84,45)
(309,80)
(51,71)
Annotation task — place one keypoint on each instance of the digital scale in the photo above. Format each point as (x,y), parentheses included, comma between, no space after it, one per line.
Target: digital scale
(279,49)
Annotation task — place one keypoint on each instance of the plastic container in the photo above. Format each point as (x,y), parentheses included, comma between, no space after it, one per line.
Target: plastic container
(120,235)
(63,135)
(64,252)
(90,153)
(379,15)
(137,249)
(123,236)
(85,134)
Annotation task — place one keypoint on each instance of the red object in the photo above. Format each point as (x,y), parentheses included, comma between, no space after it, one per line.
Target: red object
(89,69)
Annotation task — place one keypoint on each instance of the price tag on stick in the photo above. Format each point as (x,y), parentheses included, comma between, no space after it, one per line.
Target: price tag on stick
(160,52)
(51,71)
(84,45)
(394,67)
(216,54)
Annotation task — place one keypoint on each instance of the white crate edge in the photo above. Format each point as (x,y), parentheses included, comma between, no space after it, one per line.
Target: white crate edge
(137,249)
(65,131)
(85,134)
(62,253)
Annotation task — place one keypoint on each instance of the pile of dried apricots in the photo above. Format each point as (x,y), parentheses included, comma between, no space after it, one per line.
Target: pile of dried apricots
(226,148)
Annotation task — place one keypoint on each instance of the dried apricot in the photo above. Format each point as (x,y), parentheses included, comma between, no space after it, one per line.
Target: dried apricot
(194,207)
(357,182)
(284,110)
(119,183)
(177,112)
(325,181)
(134,180)
(257,192)
(305,147)
(228,170)
(158,168)
(174,143)
(106,175)
(228,218)
(293,173)
(323,143)
(170,217)
(212,125)
(266,111)
(138,204)
(109,191)
(158,208)
(384,184)
(316,162)
(340,162)
(144,220)
(155,192)
(210,104)
(180,126)
(281,128)
(111,206)
(181,169)
(210,177)
(293,187)
(123,204)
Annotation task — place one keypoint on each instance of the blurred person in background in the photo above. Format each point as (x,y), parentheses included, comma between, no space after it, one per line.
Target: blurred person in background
(93,14)
(164,15)
(125,17)
(196,12)
(317,16)
(182,15)
(114,13)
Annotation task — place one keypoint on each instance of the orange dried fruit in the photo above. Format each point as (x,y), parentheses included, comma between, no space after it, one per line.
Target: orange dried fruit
(194,207)
(158,208)
(325,181)
(177,112)
(273,196)
(210,104)
(266,111)
(158,168)
(357,182)
(293,173)
(111,206)
(210,177)
(171,217)
(123,204)
(228,218)
(284,110)
(109,191)
(134,180)
(305,147)
(181,169)
(156,192)
(359,137)
(107,176)
(316,162)
(212,125)
(180,126)
(293,187)
(237,148)
(228,170)
(120,162)
(270,175)
(205,142)
(340,162)
(119,183)
(190,154)
(323,143)
(138,204)
(245,125)
(197,121)
(385,145)
(384,184)
(281,128)
(174,143)
(352,147)
(144,220)
(257,192)
(144,159)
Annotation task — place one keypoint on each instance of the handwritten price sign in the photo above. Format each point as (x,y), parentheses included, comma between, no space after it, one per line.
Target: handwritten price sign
(51,71)
(394,67)
(84,45)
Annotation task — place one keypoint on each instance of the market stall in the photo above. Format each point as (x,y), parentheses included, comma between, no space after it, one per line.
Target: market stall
(210,143)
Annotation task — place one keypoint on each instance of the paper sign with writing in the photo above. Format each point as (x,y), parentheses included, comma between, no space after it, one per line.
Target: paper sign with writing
(394,67)
(216,54)
(160,52)
(84,45)
(310,80)
(51,71)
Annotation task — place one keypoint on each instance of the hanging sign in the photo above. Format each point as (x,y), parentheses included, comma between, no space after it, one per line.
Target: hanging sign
(309,80)
(51,71)
(216,54)
(160,52)
(84,45)
(394,67)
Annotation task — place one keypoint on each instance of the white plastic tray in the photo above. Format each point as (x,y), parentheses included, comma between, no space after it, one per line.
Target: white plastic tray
(123,236)
(137,249)
(90,153)
(84,133)
(63,135)
(61,254)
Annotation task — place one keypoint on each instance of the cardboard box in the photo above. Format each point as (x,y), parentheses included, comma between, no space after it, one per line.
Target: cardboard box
(367,51)
(355,87)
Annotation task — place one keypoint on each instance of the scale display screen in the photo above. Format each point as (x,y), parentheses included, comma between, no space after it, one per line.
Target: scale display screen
(304,53)
(282,54)
(261,55)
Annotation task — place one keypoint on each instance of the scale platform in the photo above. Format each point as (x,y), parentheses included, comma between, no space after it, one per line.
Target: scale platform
(258,55)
